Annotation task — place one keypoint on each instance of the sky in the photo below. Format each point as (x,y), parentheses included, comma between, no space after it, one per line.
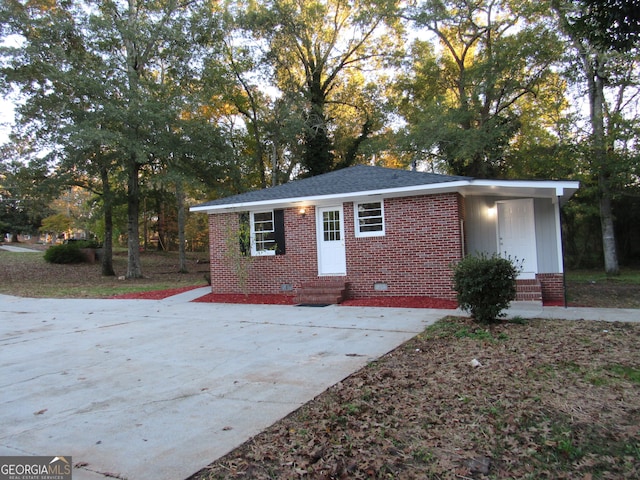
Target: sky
(6,118)
(6,105)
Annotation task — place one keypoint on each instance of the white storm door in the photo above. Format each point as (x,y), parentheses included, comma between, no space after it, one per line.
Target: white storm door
(517,234)
(332,258)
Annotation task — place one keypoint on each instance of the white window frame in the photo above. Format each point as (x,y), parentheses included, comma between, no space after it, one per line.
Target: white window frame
(356,216)
(255,251)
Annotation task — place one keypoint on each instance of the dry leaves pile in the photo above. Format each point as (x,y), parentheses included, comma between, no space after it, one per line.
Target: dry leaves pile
(550,399)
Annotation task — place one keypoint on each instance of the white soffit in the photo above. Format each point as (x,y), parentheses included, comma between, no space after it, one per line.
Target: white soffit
(505,188)
(523,188)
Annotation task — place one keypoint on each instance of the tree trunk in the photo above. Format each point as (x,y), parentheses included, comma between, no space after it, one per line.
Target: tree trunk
(352,152)
(145,226)
(274,162)
(161,229)
(611,266)
(596,101)
(318,147)
(593,64)
(134,269)
(182,254)
(135,67)
(107,245)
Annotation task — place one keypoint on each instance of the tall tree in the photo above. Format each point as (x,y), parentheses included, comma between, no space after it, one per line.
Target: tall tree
(149,34)
(316,47)
(461,98)
(96,69)
(67,110)
(248,99)
(602,71)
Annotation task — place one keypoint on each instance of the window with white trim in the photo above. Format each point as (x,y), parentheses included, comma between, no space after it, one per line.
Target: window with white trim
(369,218)
(263,236)
(261,233)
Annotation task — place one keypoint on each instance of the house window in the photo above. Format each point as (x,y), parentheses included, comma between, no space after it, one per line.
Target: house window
(266,232)
(331,225)
(369,219)
(263,234)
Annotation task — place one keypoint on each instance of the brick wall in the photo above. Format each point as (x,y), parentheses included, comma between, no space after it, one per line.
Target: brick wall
(552,286)
(422,239)
(262,274)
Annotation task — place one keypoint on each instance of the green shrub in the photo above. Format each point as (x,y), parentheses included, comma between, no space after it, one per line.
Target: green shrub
(485,285)
(65,253)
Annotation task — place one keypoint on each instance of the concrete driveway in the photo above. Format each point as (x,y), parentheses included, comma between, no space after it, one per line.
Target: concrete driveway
(142,389)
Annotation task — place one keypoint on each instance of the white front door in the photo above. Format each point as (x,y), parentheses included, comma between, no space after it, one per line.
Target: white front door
(332,258)
(517,234)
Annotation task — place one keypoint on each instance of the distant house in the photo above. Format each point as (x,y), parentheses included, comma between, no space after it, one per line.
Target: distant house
(377,231)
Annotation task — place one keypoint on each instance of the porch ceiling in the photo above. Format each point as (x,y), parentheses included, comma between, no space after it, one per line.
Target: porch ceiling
(562,190)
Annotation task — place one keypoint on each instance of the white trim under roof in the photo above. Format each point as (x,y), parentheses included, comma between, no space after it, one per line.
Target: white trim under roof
(520,188)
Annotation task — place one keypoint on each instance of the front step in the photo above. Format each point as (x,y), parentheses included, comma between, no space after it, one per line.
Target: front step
(528,291)
(321,292)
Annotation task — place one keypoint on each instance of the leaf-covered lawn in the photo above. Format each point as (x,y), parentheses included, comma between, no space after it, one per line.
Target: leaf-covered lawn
(29,275)
(551,399)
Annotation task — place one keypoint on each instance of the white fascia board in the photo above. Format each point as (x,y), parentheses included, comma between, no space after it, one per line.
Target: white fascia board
(558,186)
(332,199)
(546,188)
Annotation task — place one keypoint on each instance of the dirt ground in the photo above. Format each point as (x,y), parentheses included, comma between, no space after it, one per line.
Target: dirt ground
(607,293)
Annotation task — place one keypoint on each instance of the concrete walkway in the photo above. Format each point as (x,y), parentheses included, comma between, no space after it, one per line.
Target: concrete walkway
(15,249)
(142,389)
(536,310)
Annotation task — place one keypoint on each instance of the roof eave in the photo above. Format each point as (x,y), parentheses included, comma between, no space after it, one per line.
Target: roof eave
(330,199)
(554,189)
(562,190)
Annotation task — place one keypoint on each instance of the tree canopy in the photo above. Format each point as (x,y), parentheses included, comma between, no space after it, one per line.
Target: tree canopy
(609,24)
(107,86)
(324,51)
(150,106)
(462,95)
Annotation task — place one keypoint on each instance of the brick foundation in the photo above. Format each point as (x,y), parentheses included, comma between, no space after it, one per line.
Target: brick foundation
(552,286)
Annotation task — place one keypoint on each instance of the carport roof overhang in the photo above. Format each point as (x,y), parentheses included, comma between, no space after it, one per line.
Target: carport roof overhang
(556,190)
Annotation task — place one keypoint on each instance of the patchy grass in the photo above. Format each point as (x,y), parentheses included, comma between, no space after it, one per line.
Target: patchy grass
(591,288)
(551,399)
(627,276)
(29,275)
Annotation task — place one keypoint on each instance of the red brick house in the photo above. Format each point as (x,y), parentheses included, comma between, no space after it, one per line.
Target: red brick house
(378,231)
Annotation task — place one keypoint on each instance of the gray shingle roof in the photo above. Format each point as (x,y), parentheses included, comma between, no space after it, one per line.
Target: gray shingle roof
(360,178)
